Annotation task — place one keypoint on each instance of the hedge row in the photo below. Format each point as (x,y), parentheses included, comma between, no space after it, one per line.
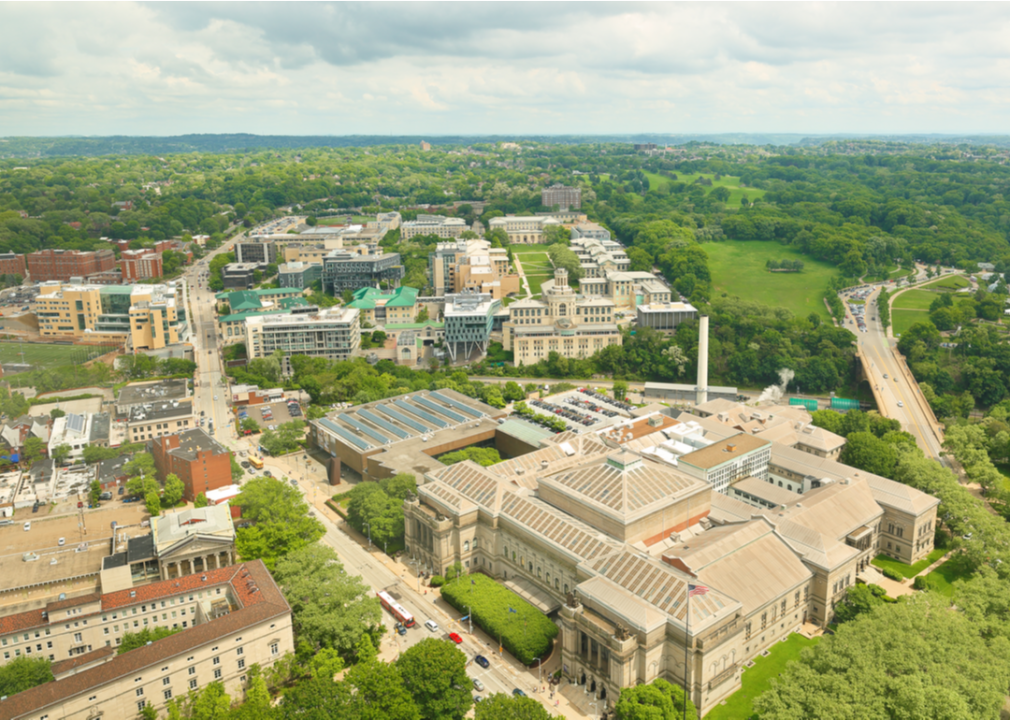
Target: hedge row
(527,633)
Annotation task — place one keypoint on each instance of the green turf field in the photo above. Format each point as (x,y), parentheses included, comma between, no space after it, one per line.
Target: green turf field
(914,300)
(901,320)
(48,356)
(527,249)
(738,268)
(951,282)
(658,182)
(536,263)
(536,280)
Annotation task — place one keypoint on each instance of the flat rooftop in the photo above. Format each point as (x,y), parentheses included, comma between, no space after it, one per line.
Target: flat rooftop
(722,451)
(138,393)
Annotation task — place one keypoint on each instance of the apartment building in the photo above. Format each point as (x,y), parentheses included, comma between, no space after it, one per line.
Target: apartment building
(567,198)
(229,619)
(343,270)
(573,325)
(469,319)
(12,264)
(524,229)
(471,265)
(397,307)
(78,431)
(298,274)
(149,317)
(140,265)
(333,333)
(444,227)
(200,461)
(256,251)
(152,420)
(62,265)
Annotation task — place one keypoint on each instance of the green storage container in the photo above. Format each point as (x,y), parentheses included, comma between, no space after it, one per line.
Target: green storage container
(844,404)
(810,405)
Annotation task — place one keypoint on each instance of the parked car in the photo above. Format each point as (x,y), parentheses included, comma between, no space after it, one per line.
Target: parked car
(400,629)
(28,526)
(430,624)
(482,661)
(35,508)
(455,638)
(267,473)
(477,684)
(122,490)
(518,693)
(61,542)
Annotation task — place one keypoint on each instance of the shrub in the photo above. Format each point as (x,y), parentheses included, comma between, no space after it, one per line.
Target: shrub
(437,581)
(920,582)
(526,633)
(892,574)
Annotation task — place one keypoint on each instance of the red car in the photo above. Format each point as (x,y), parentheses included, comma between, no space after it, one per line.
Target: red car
(455,638)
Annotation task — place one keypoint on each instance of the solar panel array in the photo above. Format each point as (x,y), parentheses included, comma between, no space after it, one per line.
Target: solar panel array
(397,415)
(347,435)
(75,422)
(439,409)
(372,417)
(358,425)
(458,405)
(427,417)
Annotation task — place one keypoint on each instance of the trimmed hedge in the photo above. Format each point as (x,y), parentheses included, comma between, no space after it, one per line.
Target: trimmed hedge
(527,633)
(892,574)
(436,581)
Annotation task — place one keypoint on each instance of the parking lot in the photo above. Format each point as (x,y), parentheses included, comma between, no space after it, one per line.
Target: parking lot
(268,414)
(583,409)
(46,531)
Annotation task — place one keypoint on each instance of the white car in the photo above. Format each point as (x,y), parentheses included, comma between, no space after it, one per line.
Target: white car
(28,526)
(901,404)
(432,626)
(61,542)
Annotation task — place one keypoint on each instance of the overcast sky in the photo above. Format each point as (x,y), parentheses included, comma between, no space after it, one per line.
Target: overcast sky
(503,68)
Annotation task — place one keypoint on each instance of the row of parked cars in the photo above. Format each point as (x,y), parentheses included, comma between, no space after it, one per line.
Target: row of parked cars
(601,398)
(567,414)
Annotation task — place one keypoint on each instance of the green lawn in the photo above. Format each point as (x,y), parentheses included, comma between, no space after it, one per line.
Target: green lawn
(658,182)
(951,282)
(738,268)
(527,249)
(914,300)
(1005,472)
(901,320)
(757,679)
(48,356)
(942,579)
(536,280)
(536,263)
(908,571)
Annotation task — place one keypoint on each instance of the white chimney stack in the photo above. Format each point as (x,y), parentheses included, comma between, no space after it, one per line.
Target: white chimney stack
(703,360)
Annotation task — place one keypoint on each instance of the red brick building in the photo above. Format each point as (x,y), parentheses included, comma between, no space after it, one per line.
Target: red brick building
(196,458)
(11,264)
(140,265)
(65,264)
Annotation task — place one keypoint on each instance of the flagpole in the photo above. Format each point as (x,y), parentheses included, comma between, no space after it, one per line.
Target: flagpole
(687,636)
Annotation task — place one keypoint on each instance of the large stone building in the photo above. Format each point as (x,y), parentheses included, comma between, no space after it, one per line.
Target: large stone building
(229,619)
(148,316)
(443,227)
(471,265)
(333,333)
(397,307)
(605,533)
(524,229)
(571,324)
(62,265)
(12,264)
(566,198)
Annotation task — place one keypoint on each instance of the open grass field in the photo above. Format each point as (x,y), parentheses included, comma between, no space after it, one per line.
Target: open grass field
(525,250)
(951,282)
(942,579)
(913,300)
(658,182)
(47,356)
(755,680)
(909,571)
(738,268)
(535,282)
(536,263)
(901,320)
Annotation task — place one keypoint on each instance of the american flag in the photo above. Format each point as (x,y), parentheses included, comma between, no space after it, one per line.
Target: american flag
(696,590)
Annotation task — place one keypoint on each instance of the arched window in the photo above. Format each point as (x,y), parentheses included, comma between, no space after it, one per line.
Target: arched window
(475,543)
(556,581)
(466,546)
(505,552)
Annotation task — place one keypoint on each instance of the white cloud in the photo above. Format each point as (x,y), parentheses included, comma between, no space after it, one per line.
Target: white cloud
(420,68)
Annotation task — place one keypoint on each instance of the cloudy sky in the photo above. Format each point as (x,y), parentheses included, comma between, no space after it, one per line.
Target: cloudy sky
(503,68)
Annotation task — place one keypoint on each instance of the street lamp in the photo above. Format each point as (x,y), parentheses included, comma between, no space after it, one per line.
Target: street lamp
(369,528)
(539,662)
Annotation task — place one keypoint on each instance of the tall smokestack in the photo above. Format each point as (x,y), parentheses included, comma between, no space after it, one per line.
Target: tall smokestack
(703,360)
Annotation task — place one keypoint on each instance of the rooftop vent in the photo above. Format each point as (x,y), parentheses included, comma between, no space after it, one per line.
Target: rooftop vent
(203,578)
(133,593)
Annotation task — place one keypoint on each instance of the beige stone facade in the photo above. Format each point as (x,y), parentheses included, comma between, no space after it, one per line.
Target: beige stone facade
(229,619)
(564,322)
(606,541)
(524,229)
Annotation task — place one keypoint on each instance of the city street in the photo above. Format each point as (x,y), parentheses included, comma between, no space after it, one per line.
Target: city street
(377,570)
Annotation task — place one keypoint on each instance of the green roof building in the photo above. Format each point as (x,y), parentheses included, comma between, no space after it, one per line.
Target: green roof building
(378,308)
